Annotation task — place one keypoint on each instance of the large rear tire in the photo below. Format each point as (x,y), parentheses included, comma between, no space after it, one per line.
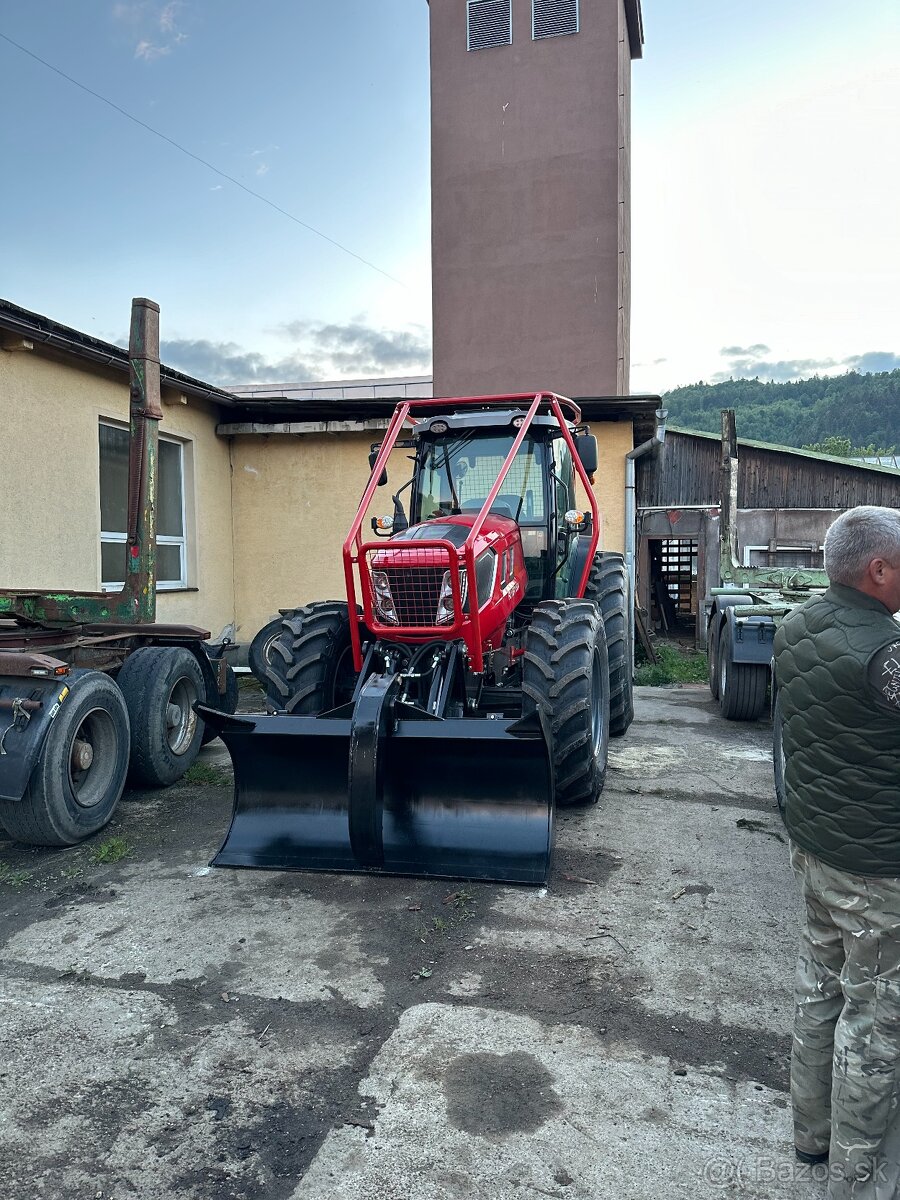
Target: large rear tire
(566,678)
(310,667)
(161,685)
(742,686)
(608,587)
(261,646)
(80,776)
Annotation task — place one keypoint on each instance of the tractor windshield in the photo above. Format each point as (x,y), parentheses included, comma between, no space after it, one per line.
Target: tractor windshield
(458,471)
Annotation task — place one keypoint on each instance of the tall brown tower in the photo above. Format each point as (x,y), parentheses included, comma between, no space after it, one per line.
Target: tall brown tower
(530,105)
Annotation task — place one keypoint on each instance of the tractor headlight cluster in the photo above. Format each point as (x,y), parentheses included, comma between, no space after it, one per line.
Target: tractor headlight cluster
(384,601)
(445,612)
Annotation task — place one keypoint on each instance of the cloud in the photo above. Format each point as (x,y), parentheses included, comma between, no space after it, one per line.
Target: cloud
(149,52)
(874,360)
(747,363)
(740,351)
(780,371)
(262,169)
(359,348)
(154,25)
(323,351)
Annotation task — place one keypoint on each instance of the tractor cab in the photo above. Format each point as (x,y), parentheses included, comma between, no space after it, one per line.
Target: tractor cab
(459,457)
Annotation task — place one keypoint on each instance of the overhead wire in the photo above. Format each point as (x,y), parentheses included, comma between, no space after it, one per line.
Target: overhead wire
(204,162)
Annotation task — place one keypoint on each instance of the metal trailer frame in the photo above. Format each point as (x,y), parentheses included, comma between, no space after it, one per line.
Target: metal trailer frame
(56,638)
(751,602)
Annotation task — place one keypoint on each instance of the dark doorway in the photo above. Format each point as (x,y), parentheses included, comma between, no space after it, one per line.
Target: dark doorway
(673,564)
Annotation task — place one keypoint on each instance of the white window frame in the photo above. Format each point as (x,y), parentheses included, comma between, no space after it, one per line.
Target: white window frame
(785,550)
(110,538)
(564,33)
(470,4)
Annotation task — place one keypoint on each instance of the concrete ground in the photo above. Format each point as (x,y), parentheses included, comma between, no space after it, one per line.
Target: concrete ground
(168,1030)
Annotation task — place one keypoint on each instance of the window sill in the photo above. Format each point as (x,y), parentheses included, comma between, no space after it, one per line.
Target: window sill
(167,591)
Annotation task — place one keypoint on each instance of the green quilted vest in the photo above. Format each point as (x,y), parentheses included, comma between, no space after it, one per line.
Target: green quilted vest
(842,751)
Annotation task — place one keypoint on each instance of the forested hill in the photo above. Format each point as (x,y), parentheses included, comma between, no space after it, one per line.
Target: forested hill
(863,408)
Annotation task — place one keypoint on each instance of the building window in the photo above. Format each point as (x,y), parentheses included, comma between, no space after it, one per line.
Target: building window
(171,544)
(802,557)
(550,18)
(489,23)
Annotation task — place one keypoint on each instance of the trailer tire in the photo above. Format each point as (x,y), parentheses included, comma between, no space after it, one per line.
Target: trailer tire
(778,754)
(607,586)
(566,678)
(65,803)
(712,657)
(310,668)
(742,686)
(161,685)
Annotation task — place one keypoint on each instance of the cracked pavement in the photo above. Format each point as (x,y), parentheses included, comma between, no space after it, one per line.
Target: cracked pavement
(171,1030)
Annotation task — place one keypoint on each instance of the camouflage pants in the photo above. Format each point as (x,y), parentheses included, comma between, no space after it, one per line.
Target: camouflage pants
(845,1065)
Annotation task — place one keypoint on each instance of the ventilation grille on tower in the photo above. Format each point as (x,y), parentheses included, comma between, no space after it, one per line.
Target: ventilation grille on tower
(490,23)
(550,18)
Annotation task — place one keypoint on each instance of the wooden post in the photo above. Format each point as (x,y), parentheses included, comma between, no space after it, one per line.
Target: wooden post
(145,415)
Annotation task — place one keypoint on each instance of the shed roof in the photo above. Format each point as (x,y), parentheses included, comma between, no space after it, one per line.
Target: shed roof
(872,464)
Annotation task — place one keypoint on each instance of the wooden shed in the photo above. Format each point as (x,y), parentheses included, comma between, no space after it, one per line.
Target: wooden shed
(787,498)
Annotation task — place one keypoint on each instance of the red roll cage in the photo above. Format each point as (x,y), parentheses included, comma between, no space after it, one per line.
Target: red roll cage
(355,551)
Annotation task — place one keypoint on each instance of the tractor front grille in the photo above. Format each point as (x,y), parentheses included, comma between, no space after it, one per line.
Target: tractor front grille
(415,591)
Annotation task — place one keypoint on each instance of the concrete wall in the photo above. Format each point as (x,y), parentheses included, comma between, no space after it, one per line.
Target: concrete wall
(530,205)
(50,409)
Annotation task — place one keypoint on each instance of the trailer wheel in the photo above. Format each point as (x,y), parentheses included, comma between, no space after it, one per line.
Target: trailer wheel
(566,677)
(742,686)
(310,667)
(712,658)
(778,754)
(80,774)
(607,586)
(261,646)
(161,685)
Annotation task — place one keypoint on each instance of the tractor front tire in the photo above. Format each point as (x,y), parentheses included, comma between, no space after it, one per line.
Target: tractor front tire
(80,775)
(161,685)
(310,666)
(566,679)
(607,586)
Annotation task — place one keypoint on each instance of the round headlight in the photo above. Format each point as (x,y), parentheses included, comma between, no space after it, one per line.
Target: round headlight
(439,427)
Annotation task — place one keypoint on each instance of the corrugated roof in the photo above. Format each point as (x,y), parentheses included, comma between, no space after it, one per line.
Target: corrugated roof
(862,465)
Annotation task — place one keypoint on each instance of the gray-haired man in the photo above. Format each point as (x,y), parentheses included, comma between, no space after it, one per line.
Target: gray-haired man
(837,667)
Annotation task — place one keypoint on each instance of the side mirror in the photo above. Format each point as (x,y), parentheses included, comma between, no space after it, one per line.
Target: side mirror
(587,452)
(373,458)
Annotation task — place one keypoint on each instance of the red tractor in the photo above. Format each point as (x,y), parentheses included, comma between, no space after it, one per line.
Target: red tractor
(473,675)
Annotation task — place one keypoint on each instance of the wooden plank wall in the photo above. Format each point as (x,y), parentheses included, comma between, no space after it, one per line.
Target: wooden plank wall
(687,472)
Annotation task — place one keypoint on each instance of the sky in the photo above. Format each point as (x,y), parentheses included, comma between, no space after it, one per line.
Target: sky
(286,232)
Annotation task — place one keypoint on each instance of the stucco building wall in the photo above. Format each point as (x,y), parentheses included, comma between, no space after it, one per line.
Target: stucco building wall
(50,410)
(294,500)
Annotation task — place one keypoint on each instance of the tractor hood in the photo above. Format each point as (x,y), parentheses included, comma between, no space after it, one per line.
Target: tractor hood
(495,530)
